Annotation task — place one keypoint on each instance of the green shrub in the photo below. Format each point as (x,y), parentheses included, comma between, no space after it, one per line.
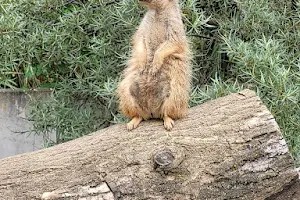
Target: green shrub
(264,49)
(80,48)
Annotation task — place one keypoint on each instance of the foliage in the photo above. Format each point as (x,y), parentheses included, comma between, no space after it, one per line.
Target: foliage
(265,54)
(80,48)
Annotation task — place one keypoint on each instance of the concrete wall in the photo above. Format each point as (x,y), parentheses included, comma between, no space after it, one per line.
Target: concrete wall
(15,135)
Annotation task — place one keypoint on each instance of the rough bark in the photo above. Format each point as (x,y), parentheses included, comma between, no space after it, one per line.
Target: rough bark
(229,148)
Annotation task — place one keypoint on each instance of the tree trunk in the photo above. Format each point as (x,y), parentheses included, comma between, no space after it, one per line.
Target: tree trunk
(228,148)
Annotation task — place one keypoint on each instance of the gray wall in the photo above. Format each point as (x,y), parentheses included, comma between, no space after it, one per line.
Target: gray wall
(15,135)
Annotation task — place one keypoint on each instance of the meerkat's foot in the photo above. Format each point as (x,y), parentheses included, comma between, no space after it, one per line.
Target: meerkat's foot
(168,123)
(134,123)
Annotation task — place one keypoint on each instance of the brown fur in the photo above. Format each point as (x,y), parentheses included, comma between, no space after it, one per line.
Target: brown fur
(156,82)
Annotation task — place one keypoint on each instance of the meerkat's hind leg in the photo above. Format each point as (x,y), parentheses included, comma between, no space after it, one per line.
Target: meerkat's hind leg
(134,123)
(168,122)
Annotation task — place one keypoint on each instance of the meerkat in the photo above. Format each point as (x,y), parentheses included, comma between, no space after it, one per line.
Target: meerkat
(156,82)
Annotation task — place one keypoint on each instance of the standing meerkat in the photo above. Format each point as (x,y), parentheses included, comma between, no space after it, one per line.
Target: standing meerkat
(156,82)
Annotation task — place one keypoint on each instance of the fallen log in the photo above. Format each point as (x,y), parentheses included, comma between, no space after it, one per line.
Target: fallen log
(228,148)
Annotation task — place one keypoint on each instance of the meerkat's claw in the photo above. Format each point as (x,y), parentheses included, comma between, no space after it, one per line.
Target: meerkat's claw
(134,123)
(168,123)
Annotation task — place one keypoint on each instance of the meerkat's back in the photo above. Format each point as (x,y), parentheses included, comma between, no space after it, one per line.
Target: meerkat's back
(156,82)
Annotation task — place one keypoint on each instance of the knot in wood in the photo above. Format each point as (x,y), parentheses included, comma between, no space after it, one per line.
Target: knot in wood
(163,159)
